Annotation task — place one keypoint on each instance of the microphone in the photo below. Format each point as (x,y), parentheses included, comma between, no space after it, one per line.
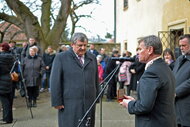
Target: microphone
(123,59)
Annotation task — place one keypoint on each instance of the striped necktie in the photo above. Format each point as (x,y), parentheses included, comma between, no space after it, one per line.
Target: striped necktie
(80,60)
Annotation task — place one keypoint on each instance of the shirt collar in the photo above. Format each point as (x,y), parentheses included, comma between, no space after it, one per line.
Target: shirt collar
(151,62)
(79,56)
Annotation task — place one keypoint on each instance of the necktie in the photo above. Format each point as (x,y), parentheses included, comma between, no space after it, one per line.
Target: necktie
(80,60)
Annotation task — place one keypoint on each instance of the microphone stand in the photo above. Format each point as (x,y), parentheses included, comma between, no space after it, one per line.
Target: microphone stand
(110,76)
(23,83)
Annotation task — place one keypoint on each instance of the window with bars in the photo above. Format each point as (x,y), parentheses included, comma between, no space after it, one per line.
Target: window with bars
(170,40)
(125,4)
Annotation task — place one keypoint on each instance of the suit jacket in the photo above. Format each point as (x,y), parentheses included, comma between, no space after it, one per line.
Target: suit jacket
(182,101)
(95,52)
(74,86)
(154,106)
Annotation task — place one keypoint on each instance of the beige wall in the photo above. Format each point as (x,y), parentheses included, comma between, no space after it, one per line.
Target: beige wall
(176,15)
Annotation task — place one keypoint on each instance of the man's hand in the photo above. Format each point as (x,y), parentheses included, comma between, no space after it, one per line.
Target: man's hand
(59,107)
(129,98)
(47,67)
(133,71)
(125,101)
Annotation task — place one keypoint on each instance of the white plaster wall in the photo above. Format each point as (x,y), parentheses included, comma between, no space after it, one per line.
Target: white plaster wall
(140,19)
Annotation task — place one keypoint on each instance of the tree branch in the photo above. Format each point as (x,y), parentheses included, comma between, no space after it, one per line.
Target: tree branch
(11,19)
(21,10)
(16,33)
(45,18)
(82,3)
(26,17)
(60,22)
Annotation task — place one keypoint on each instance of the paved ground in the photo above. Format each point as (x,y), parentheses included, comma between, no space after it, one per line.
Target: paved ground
(45,116)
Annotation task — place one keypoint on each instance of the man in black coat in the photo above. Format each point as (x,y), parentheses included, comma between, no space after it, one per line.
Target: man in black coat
(25,51)
(154,106)
(182,74)
(48,58)
(112,87)
(136,70)
(93,50)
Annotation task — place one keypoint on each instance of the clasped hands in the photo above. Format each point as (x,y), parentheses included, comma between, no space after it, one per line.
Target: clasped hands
(126,100)
(59,107)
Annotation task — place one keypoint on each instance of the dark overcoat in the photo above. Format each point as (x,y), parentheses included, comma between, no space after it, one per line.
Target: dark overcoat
(182,101)
(139,69)
(48,60)
(6,64)
(154,106)
(75,86)
(33,69)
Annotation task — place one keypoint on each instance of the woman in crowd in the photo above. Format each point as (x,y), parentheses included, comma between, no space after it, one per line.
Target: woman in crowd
(33,69)
(100,68)
(124,76)
(6,96)
(169,58)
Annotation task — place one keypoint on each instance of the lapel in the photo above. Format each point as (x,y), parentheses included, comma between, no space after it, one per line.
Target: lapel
(181,60)
(87,59)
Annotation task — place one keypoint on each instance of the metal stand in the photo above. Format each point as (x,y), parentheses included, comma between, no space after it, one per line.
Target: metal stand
(23,83)
(104,86)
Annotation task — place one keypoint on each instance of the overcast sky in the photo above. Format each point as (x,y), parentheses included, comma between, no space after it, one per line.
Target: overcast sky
(102,21)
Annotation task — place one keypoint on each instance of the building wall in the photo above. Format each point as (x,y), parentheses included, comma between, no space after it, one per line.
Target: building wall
(176,15)
(109,47)
(141,18)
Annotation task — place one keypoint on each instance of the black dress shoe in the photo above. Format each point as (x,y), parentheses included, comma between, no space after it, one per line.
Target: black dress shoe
(5,122)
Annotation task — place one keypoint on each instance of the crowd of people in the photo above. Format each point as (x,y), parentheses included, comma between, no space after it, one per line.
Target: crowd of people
(73,73)
(35,67)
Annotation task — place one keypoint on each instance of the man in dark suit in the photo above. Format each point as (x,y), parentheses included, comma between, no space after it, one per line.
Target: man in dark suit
(74,83)
(93,50)
(182,74)
(154,106)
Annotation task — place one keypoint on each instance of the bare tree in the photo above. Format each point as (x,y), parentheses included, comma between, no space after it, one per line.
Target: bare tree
(3,31)
(44,31)
(54,14)
(76,17)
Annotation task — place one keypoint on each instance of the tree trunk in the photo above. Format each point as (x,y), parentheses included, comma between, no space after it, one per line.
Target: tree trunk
(29,23)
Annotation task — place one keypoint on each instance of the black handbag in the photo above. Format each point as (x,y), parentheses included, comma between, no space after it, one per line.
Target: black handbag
(22,91)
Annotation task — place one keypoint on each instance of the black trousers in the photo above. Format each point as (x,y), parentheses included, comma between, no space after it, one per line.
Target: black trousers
(33,92)
(112,87)
(7,102)
(121,86)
